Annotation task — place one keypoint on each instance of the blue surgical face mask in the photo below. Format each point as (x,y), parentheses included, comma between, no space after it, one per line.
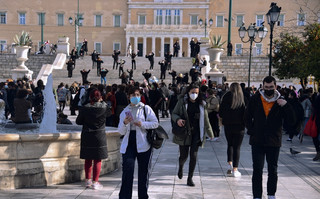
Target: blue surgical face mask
(135,100)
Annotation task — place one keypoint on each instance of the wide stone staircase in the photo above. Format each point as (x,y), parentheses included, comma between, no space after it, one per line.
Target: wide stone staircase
(180,65)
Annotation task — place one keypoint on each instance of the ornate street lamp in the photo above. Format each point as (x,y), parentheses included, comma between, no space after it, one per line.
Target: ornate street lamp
(272,17)
(253,32)
(77,22)
(200,22)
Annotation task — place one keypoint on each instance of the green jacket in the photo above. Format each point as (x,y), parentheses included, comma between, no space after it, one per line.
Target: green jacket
(180,112)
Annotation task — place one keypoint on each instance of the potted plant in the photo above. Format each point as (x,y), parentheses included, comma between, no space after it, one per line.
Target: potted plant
(23,42)
(215,50)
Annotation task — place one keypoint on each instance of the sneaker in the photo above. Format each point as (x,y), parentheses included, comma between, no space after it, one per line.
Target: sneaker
(236,174)
(289,140)
(229,173)
(271,197)
(88,183)
(97,186)
(216,139)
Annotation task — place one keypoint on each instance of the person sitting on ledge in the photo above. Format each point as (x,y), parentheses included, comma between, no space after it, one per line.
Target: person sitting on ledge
(22,107)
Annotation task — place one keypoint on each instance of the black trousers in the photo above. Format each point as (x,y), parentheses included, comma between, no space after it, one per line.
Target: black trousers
(214,122)
(128,162)
(163,75)
(184,151)
(133,64)
(115,64)
(259,153)
(175,53)
(234,139)
(151,65)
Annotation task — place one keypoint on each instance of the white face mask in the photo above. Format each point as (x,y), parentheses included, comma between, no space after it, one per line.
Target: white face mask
(193,96)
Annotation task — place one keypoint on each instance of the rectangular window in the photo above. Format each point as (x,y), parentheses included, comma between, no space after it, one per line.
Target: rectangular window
(258,49)
(194,19)
(117,21)
(97,21)
(142,19)
(301,19)
(41,18)
(238,49)
(176,17)
(3,18)
(3,45)
(168,17)
(281,20)
(239,21)
(159,17)
(98,47)
(219,21)
(259,20)
(116,46)
(60,19)
(22,18)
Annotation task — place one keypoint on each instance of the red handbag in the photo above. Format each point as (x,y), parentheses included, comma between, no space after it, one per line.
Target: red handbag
(311,127)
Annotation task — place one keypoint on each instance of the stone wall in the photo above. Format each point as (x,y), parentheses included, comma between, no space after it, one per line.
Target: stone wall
(35,62)
(236,68)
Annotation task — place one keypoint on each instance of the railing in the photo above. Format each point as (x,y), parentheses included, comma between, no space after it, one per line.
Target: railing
(162,27)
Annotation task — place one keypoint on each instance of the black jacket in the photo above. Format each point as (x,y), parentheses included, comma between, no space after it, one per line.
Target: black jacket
(266,131)
(231,117)
(93,136)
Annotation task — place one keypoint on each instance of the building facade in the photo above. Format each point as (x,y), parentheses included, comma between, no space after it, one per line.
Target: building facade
(148,25)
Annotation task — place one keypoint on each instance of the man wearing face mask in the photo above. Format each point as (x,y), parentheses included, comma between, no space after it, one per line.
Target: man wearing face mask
(190,111)
(264,118)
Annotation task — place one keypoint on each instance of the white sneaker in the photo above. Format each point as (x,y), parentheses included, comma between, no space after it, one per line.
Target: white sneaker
(271,197)
(236,174)
(97,186)
(88,183)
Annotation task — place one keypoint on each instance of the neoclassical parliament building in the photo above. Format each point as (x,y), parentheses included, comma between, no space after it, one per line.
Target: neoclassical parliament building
(148,25)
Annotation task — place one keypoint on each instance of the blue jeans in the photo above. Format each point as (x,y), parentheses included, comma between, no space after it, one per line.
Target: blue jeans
(128,162)
(259,153)
(103,79)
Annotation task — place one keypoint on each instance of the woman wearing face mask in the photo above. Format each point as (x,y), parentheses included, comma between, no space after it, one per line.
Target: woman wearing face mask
(190,111)
(133,125)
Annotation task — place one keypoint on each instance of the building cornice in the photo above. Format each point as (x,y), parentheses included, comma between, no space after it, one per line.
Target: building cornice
(181,5)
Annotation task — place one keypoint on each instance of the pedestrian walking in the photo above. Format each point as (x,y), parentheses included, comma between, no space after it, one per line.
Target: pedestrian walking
(93,147)
(264,115)
(150,57)
(232,111)
(229,47)
(133,125)
(192,46)
(115,57)
(70,67)
(94,57)
(176,48)
(62,93)
(133,61)
(190,111)
(168,57)
(103,76)
(213,105)
(163,69)
(85,46)
(121,65)
(294,129)
(99,62)
(84,74)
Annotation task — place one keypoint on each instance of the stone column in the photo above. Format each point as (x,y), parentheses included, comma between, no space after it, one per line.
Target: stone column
(162,47)
(180,51)
(189,49)
(135,45)
(171,45)
(144,46)
(153,45)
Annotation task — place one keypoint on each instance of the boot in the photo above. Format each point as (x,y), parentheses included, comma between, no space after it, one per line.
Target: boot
(190,182)
(180,172)
(317,156)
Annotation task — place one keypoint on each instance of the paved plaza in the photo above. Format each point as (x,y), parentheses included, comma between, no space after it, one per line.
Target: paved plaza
(299,176)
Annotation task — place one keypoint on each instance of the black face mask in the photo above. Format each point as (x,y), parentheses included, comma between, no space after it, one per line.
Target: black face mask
(269,93)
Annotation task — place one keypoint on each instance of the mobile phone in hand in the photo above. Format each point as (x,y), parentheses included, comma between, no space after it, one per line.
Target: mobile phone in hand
(128,114)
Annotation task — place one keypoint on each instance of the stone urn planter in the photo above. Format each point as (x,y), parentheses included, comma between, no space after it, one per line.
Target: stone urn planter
(22,56)
(215,54)
(63,39)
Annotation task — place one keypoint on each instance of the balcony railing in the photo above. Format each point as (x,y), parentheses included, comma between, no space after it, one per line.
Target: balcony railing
(256,52)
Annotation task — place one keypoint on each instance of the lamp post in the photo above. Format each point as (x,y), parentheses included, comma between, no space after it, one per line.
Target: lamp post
(77,21)
(252,34)
(272,17)
(200,22)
